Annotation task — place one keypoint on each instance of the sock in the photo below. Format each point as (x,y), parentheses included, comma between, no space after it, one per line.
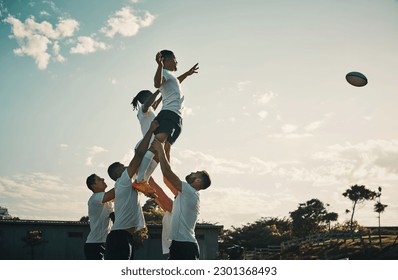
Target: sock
(150,169)
(144,165)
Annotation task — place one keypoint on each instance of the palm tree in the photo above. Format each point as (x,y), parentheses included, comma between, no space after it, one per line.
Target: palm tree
(379,208)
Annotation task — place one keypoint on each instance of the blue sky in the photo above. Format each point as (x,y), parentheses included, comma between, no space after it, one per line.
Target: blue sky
(269,114)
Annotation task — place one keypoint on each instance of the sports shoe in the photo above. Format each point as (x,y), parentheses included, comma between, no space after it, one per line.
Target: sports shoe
(143,187)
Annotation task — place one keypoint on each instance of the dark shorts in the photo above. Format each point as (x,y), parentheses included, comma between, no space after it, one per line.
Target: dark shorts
(170,123)
(184,250)
(94,251)
(119,246)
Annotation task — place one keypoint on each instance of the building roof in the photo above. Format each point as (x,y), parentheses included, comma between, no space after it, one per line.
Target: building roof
(54,222)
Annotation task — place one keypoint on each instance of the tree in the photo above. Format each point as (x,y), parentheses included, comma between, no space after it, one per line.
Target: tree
(331,217)
(379,208)
(310,217)
(260,234)
(358,194)
(4,214)
(152,212)
(84,219)
(32,239)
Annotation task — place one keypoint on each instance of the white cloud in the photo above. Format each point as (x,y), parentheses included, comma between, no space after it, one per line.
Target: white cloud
(44,13)
(35,47)
(238,204)
(289,128)
(188,111)
(262,114)
(243,85)
(41,195)
(127,157)
(96,149)
(89,161)
(289,132)
(87,45)
(261,167)
(212,164)
(313,126)
(373,162)
(66,28)
(34,38)
(265,98)
(251,166)
(92,152)
(64,146)
(56,50)
(3,10)
(126,23)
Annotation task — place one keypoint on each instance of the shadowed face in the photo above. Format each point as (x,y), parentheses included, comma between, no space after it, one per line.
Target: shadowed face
(195,178)
(170,63)
(99,184)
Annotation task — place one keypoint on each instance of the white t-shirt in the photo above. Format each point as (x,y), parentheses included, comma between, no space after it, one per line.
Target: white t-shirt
(185,213)
(145,120)
(172,95)
(98,214)
(166,223)
(128,210)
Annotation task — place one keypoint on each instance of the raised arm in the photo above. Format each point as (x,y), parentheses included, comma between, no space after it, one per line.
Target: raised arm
(165,165)
(191,71)
(150,101)
(141,150)
(109,195)
(158,79)
(156,103)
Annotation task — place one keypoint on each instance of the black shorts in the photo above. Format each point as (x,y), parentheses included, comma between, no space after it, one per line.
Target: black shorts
(94,251)
(184,250)
(170,123)
(119,246)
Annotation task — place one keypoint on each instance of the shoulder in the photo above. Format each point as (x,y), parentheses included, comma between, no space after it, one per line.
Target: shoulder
(124,179)
(167,74)
(96,198)
(187,188)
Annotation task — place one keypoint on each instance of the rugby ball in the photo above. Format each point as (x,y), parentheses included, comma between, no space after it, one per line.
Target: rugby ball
(356,79)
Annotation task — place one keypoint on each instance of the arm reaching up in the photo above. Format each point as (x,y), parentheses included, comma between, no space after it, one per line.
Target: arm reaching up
(151,102)
(165,165)
(191,71)
(142,148)
(158,79)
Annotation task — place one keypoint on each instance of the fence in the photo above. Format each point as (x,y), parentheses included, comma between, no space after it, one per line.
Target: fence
(320,239)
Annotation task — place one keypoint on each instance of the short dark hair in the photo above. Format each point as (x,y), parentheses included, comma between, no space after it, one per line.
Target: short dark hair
(167,54)
(206,181)
(140,97)
(90,181)
(111,170)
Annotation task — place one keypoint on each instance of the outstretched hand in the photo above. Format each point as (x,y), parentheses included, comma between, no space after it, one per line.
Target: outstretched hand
(193,70)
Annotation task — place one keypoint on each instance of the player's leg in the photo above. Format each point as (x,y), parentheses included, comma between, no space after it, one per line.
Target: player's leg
(147,159)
